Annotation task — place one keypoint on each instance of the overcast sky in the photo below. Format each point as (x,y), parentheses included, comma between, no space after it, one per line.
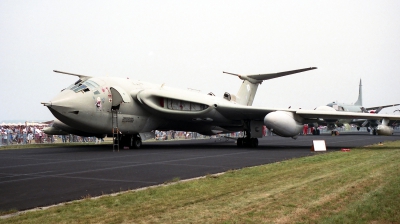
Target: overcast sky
(187,44)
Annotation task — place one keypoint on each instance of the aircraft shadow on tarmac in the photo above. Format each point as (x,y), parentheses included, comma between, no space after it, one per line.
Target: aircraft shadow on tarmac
(188,145)
(229,144)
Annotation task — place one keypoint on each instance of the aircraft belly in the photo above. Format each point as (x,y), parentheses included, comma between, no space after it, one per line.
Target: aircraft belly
(344,121)
(93,122)
(201,125)
(130,123)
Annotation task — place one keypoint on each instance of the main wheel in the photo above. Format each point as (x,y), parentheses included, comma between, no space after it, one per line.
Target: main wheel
(239,142)
(136,142)
(253,142)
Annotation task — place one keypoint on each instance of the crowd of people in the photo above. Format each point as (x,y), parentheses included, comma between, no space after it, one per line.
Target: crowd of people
(76,138)
(22,134)
(169,135)
(30,134)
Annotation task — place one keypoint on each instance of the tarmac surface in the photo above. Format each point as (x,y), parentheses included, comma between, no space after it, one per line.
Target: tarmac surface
(31,178)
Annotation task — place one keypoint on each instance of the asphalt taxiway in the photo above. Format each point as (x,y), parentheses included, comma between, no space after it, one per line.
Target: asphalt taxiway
(38,177)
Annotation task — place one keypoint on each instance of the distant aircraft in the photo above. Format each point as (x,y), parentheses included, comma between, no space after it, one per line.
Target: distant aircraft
(130,110)
(357,107)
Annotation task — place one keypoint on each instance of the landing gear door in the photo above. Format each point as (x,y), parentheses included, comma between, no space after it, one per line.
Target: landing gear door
(256,129)
(119,96)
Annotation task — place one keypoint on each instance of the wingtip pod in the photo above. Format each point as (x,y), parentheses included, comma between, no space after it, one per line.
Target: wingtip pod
(284,123)
(384,130)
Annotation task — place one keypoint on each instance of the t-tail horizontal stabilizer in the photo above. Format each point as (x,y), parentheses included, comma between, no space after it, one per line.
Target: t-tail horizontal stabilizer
(258,78)
(81,77)
(248,89)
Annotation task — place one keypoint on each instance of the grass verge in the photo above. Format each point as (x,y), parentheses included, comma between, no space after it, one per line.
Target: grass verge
(360,186)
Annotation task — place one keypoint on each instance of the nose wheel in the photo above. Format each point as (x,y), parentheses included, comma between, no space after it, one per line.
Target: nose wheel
(136,142)
(131,141)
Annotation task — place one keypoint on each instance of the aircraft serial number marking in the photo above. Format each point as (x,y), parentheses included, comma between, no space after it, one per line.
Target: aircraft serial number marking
(127,119)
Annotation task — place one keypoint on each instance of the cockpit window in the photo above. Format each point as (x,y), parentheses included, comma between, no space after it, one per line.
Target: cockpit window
(336,107)
(85,86)
(91,84)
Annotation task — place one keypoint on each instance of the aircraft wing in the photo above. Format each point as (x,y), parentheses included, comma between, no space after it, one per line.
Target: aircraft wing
(343,115)
(239,112)
(375,108)
(288,123)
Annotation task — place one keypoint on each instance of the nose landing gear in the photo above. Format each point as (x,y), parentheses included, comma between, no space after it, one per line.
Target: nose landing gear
(131,141)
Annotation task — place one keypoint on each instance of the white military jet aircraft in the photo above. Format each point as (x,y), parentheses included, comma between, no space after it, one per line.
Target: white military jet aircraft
(357,107)
(99,106)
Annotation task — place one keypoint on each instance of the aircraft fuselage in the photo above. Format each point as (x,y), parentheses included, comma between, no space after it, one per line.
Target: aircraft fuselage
(88,106)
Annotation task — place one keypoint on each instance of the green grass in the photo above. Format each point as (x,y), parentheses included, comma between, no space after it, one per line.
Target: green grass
(360,186)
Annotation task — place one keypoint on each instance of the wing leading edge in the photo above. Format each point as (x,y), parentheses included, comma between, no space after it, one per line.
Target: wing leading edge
(238,112)
(381,107)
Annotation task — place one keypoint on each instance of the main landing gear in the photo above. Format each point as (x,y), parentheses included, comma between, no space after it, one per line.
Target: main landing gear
(252,129)
(247,141)
(373,131)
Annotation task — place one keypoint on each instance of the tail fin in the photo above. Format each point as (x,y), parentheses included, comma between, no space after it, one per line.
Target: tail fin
(359,100)
(248,89)
(246,93)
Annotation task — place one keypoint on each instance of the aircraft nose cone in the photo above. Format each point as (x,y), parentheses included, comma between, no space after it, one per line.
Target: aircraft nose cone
(64,103)
(57,103)
(46,104)
(75,109)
